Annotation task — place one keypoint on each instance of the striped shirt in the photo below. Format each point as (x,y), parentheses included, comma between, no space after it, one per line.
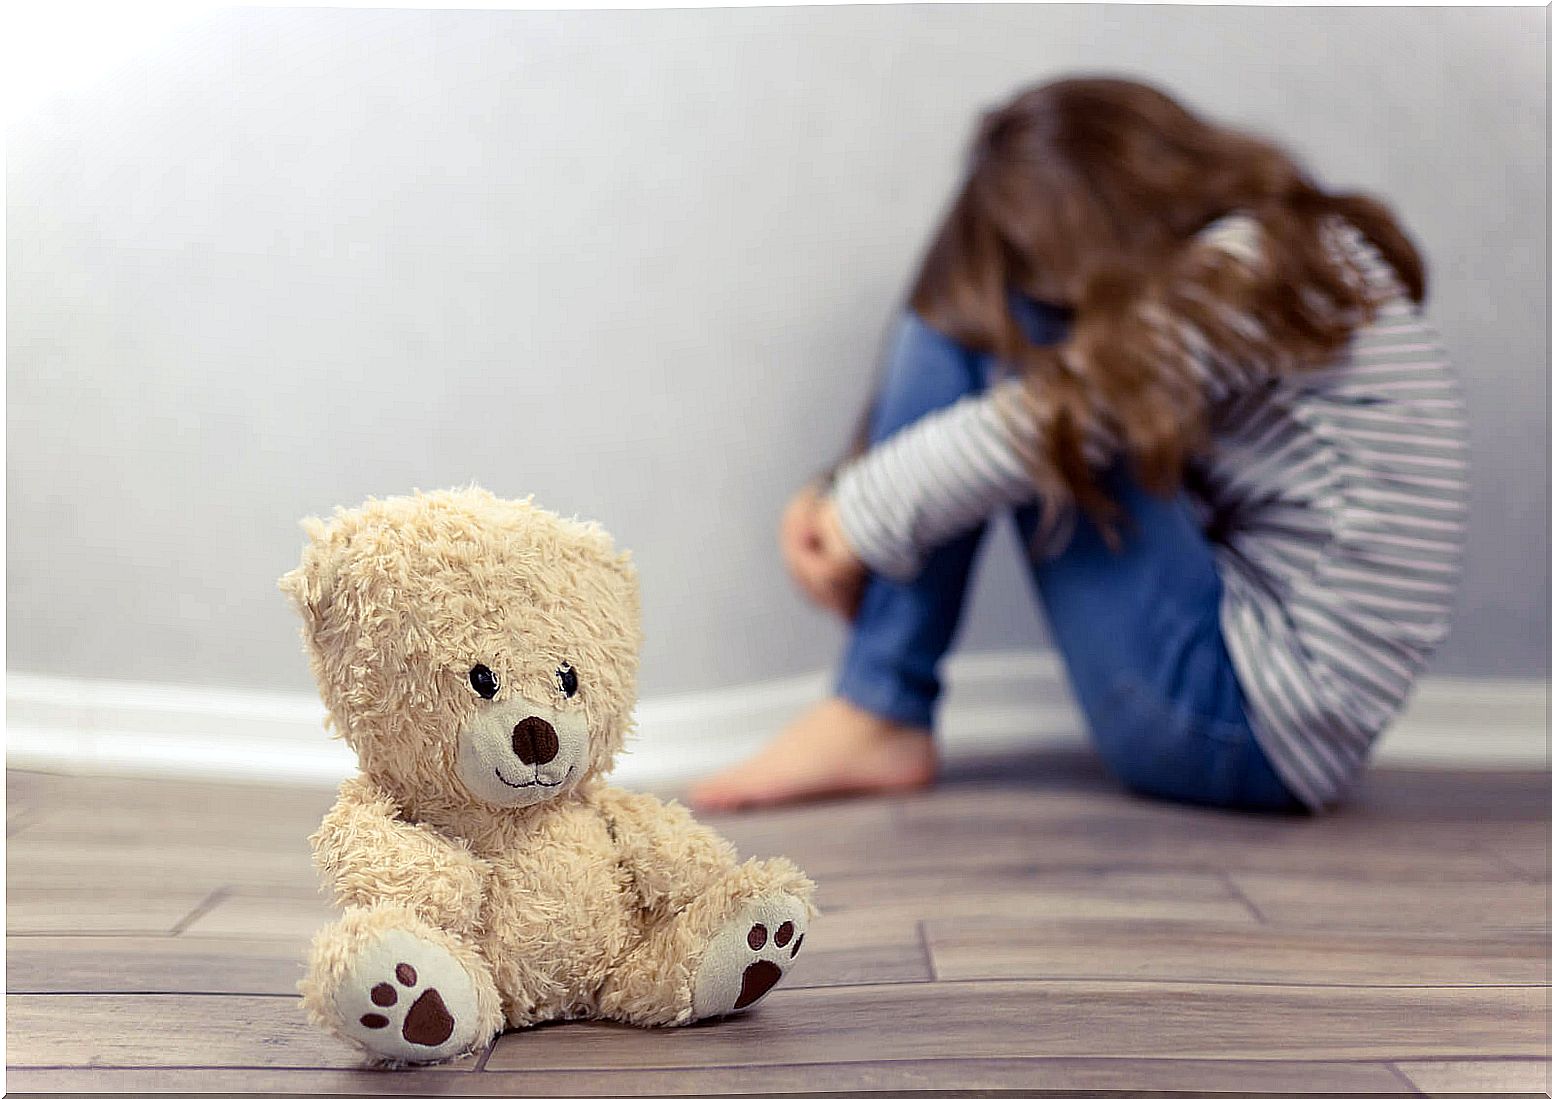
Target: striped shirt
(1336,497)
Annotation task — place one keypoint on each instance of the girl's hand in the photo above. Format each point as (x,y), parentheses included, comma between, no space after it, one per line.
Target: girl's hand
(818,556)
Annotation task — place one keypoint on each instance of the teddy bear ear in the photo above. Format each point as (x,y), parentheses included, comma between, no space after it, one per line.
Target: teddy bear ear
(616,560)
(625,564)
(310,586)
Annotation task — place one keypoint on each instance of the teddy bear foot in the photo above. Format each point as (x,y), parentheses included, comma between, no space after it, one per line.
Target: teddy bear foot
(407,1000)
(750,955)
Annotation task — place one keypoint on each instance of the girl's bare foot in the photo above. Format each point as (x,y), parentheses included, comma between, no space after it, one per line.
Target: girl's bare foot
(833,749)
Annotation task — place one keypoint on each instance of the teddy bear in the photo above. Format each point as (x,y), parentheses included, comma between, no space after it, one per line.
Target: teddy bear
(479,655)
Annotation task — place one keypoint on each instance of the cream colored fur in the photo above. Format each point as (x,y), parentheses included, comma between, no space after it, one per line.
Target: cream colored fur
(593,902)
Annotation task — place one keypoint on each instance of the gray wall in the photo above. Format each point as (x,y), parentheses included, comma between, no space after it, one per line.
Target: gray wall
(637,263)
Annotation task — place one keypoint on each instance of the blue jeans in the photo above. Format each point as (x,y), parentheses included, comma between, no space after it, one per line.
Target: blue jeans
(1137,627)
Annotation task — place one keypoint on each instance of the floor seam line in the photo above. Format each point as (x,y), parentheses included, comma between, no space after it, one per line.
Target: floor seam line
(1406,1081)
(1240,895)
(927,956)
(203,908)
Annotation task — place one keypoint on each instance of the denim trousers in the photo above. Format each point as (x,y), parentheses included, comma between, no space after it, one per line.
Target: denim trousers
(1137,624)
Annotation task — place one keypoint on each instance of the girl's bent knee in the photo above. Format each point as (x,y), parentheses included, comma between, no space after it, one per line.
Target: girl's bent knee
(1161,749)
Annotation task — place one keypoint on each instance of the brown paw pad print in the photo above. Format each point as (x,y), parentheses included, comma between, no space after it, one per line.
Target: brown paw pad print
(426,1023)
(761,975)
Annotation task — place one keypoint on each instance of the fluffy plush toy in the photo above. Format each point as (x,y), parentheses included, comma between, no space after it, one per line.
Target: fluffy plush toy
(480,657)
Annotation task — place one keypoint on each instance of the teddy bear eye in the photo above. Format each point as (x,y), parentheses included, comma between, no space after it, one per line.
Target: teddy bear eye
(566,679)
(483,680)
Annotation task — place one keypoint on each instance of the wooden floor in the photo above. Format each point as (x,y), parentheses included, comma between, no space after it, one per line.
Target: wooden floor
(1024,926)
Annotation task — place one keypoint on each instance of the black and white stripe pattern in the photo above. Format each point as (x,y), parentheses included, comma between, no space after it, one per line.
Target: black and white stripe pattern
(1340,495)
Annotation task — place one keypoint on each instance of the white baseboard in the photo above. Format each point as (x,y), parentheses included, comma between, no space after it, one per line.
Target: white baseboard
(994,700)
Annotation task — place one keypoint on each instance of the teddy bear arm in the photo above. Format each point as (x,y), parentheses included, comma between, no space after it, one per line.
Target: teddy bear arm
(370,854)
(672,857)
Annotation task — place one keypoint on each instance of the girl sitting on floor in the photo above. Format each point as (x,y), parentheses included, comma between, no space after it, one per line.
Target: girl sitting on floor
(1204,388)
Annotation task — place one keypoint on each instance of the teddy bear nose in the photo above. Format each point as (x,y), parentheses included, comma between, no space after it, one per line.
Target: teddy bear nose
(534,740)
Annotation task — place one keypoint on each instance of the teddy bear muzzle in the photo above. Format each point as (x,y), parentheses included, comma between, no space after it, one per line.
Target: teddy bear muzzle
(517,754)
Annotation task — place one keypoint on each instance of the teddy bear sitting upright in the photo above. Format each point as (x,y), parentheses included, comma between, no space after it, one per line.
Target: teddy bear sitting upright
(480,656)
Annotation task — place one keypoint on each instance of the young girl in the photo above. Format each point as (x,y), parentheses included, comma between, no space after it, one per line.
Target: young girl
(1204,389)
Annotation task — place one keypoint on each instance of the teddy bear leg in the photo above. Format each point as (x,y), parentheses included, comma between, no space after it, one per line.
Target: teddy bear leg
(721,954)
(403,990)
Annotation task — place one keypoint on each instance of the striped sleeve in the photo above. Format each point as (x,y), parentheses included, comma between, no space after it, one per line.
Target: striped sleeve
(947,473)
(926,484)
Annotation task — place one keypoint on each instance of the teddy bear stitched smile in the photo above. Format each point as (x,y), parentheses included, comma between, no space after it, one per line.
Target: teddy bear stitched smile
(536,780)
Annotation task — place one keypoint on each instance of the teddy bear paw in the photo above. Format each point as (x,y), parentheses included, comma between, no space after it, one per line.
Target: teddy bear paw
(749,956)
(405,999)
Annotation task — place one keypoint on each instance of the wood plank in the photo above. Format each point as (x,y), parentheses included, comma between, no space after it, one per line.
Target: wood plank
(1524,851)
(101,1030)
(1429,794)
(987,949)
(293,914)
(1063,1019)
(155,862)
(1440,905)
(949,1074)
(861,946)
(822,838)
(165,802)
(189,836)
(75,820)
(31,788)
(960,1075)
(1456,796)
(436,1080)
(128,909)
(153,964)
(19,817)
(1526,1077)
(973,826)
(1025,891)
(1066,833)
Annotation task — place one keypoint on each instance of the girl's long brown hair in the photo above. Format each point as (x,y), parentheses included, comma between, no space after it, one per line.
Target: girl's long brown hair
(1086,193)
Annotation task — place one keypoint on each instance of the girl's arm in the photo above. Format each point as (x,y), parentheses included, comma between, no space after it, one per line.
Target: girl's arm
(932,481)
(952,469)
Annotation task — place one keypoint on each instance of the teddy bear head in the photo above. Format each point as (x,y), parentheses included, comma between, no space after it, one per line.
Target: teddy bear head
(470,649)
